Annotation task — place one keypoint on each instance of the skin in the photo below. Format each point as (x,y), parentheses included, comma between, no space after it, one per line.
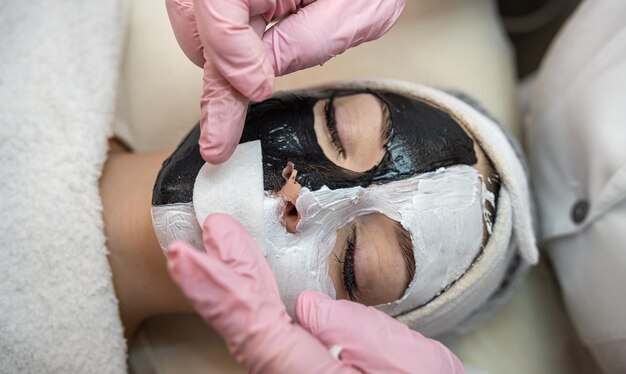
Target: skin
(379,267)
(140,277)
(360,119)
(141,280)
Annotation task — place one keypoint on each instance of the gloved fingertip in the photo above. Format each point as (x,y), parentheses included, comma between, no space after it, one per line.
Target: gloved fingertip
(306,307)
(216,223)
(226,238)
(216,154)
(174,249)
(172,253)
(178,251)
(222,116)
(176,254)
(312,297)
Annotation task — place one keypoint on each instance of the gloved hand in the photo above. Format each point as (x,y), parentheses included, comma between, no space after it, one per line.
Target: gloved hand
(232,287)
(240,59)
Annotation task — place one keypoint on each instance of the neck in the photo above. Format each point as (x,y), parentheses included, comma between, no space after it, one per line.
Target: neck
(140,277)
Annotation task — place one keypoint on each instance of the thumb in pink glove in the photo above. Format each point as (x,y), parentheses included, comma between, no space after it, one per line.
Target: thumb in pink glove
(240,59)
(232,287)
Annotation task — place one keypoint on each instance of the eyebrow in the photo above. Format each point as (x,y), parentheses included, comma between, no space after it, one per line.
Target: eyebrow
(386,128)
(406,246)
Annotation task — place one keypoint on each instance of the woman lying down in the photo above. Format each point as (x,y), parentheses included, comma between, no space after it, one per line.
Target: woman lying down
(391,195)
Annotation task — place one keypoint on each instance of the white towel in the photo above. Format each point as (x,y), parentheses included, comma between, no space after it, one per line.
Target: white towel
(59,66)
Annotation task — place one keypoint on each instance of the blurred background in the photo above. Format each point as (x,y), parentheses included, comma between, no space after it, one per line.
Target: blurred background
(530,26)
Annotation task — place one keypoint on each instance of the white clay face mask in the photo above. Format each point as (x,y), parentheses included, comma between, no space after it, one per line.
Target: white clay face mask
(444,212)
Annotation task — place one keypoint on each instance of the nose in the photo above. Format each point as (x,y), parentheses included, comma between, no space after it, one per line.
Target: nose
(290,192)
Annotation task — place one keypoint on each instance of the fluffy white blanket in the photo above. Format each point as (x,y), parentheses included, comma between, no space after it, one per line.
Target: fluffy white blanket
(59,67)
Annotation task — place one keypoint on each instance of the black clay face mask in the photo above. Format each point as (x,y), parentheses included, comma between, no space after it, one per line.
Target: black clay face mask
(422,138)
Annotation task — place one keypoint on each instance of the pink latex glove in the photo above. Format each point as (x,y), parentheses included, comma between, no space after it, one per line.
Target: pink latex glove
(232,287)
(227,38)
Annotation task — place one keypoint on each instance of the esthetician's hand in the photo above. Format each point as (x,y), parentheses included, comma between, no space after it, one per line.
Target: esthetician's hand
(240,59)
(233,289)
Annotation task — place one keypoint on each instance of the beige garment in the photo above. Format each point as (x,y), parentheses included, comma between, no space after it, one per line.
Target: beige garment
(576,138)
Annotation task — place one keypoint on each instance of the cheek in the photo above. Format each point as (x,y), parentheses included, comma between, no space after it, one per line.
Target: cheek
(381,276)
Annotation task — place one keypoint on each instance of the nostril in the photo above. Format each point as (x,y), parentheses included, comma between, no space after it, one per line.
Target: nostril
(291,217)
(290,192)
(290,209)
(287,171)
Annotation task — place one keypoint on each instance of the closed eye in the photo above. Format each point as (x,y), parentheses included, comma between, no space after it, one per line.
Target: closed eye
(352,130)
(331,125)
(349,276)
(348,271)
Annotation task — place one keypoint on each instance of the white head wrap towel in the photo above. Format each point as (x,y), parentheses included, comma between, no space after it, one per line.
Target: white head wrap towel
(510,249)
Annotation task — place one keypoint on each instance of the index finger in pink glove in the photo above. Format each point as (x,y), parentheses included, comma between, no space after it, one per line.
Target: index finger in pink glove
(326,28)
(222,116)
(222,106)
(370,339)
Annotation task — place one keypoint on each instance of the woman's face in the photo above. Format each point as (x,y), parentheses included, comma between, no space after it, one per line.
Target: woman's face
(342,141)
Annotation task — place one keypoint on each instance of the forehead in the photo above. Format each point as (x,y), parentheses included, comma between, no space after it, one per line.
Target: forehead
(423,138)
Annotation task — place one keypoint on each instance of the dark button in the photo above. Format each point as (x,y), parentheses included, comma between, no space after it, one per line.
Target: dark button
(580,210)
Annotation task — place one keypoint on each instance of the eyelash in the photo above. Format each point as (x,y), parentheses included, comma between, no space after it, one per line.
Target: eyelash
(331,125)
(349,277)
